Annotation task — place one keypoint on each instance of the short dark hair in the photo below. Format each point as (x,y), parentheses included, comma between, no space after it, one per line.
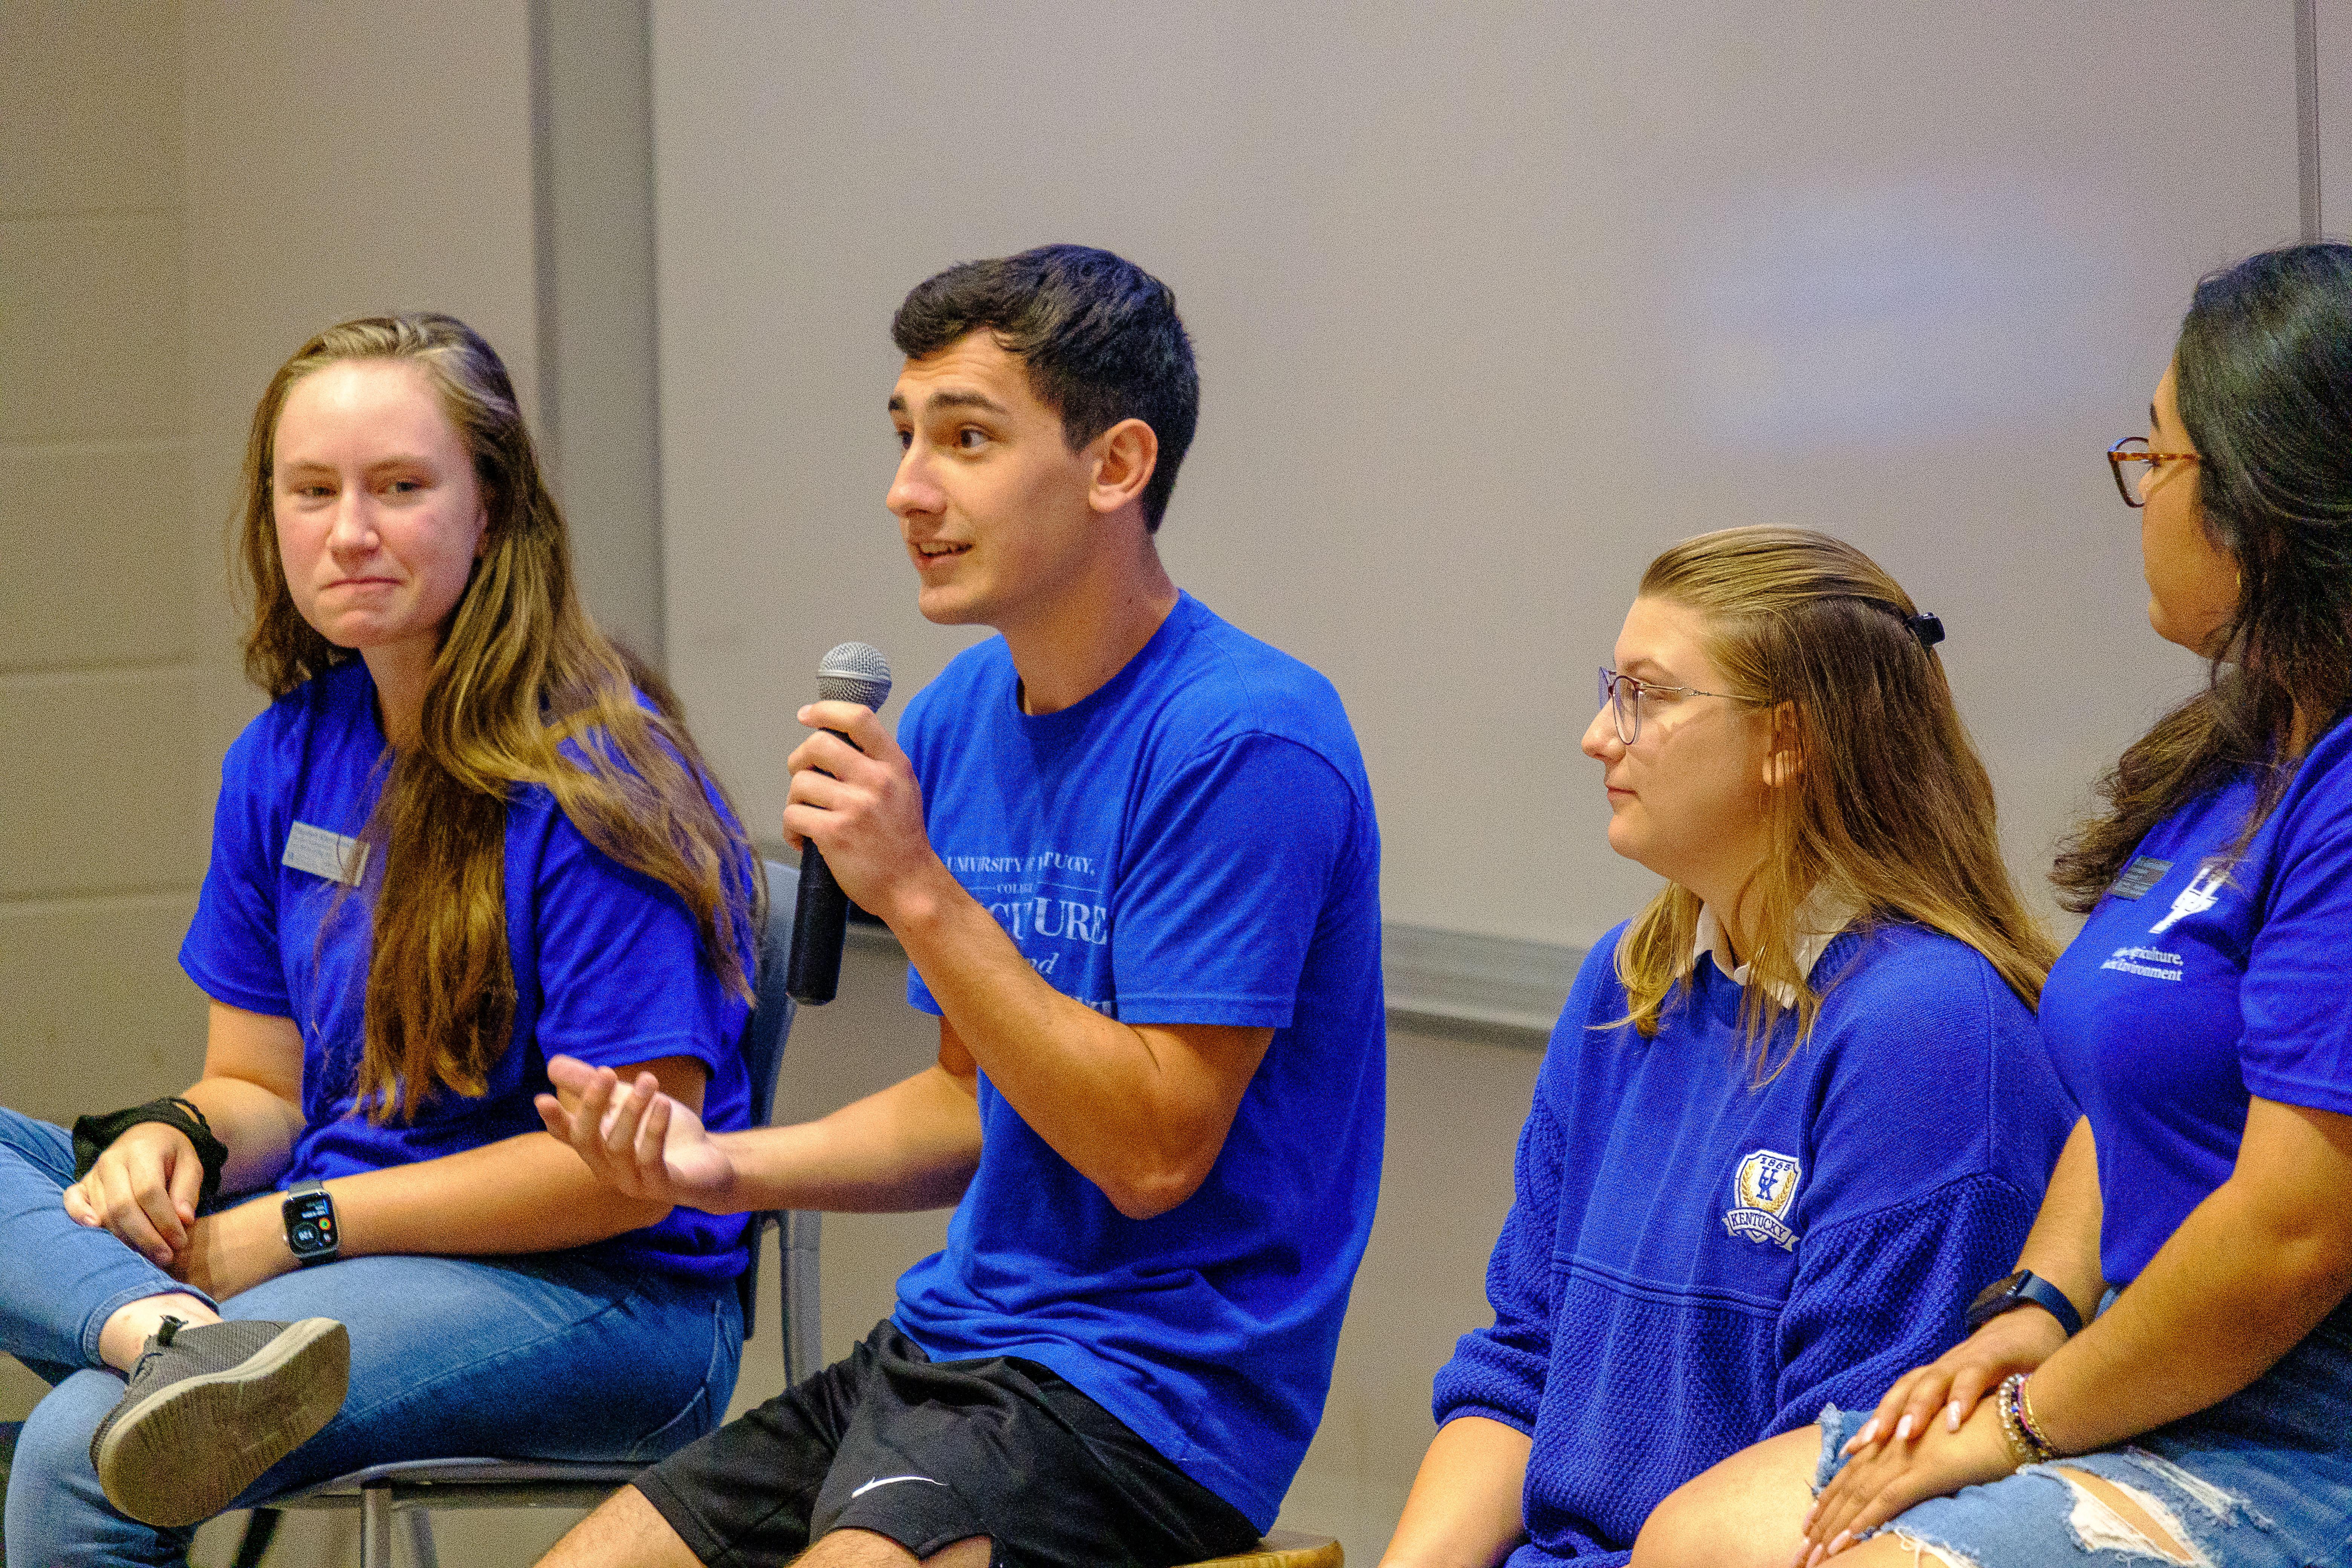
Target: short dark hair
(1099,335)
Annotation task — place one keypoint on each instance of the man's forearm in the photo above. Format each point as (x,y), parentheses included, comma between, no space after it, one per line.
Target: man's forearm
(911,1146)
(1139,1111)
(989,991)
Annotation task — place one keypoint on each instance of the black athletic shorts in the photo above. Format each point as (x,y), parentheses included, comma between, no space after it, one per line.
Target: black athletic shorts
(930,1453)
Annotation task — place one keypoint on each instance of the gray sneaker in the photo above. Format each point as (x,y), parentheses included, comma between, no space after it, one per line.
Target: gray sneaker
(211,1407)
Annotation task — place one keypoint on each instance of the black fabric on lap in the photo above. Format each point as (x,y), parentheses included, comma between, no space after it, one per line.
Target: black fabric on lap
(92,1134)
(931,1452)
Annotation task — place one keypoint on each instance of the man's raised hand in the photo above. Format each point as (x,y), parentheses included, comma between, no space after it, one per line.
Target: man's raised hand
(858,800)
(637,1139)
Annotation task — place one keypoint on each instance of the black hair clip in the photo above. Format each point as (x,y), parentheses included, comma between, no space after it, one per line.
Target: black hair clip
(1926,628)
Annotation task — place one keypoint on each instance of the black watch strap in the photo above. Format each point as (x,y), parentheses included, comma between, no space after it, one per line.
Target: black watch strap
(2023,1288)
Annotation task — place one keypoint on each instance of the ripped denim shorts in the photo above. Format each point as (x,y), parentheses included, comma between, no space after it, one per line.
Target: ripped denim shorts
(2263,1478)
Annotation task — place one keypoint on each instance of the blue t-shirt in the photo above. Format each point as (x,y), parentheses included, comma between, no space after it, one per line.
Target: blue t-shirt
(1693,1263)
(607,962)
(1192,843)
(2195,985)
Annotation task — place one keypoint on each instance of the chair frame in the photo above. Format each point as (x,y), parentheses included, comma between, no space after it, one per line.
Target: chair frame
(402,1495)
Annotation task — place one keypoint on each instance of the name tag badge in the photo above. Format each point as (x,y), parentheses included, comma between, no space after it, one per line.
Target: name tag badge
(2140,876)
(324,853)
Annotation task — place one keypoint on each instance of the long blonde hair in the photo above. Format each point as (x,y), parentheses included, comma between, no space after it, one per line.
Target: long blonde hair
(1889,811)
(521,671)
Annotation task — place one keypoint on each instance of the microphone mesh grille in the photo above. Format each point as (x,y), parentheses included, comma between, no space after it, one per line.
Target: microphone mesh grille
(853,672)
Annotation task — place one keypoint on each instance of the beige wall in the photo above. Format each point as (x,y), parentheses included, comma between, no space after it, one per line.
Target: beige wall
(2335,25)
(104,794)
(595,210)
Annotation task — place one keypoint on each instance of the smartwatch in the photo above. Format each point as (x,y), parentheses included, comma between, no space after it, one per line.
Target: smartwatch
(311,1233)
(2023,1288)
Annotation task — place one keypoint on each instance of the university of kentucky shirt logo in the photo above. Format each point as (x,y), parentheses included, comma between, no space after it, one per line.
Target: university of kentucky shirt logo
(1763,1190)
(2203,890)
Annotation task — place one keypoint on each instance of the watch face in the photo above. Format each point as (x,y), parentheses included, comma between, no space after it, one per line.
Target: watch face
(1994,1298)
(310,1225)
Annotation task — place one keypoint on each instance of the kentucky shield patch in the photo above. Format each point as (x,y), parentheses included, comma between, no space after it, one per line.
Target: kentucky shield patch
(1763,1191)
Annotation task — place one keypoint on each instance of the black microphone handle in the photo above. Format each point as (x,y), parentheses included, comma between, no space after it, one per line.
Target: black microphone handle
(820,916)
(820,919)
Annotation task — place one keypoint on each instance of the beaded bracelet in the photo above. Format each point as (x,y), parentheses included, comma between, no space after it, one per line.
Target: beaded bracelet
(2027,1445)
(2025,1421)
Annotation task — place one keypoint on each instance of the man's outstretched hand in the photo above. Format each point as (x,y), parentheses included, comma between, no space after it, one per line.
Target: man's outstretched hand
(637,1139)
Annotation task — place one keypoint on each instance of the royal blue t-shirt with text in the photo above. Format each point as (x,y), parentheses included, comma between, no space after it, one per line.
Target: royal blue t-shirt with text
(607,962)
(2198,981)
(1192,843)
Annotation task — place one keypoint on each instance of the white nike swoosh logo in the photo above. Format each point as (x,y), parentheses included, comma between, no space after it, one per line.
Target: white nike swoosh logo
(892,1482)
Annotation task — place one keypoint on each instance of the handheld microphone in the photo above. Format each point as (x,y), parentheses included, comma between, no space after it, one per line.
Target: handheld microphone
(850,673)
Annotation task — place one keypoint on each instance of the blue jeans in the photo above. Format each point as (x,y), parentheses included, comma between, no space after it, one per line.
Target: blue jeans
(537,1357)
(2263,1479)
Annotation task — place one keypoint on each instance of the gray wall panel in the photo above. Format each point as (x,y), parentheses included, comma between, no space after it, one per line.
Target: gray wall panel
(92,90)
(106,787)
(96,564)
(99,1014)
(93,333)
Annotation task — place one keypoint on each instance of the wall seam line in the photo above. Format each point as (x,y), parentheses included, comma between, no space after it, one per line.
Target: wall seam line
(102,447)
(55,215)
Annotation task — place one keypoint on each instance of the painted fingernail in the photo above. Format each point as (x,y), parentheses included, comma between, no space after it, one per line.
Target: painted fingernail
(1844,1539)
(1798,1560)
(1903,1428)
(1952,1416)
(1812,1558)
(1866,1437)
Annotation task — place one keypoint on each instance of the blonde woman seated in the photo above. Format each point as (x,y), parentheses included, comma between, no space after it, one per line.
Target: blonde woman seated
(460,838)
(1797,1093)
(2199,1219)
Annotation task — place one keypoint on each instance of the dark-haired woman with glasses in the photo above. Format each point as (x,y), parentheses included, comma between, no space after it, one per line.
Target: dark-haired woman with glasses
(2201,1214)
(1801,1089)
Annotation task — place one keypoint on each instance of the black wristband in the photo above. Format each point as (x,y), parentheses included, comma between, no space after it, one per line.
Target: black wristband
(92,1134)
(2023,1288)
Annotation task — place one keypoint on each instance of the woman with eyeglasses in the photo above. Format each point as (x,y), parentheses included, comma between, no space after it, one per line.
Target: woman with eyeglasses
(2201,1217)
(1797,1095)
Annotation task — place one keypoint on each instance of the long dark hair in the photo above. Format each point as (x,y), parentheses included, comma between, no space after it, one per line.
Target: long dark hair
(2263,370)
(522,670)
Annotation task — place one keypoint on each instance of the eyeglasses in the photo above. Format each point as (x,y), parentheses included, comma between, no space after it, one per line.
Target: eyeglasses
(1624,697)
(2133,450)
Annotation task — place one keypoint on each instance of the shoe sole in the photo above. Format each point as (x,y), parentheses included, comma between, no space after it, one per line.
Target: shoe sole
(184,1452)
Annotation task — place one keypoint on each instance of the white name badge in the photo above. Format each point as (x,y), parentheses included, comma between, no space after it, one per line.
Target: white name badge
(2142,873)
(327,854)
